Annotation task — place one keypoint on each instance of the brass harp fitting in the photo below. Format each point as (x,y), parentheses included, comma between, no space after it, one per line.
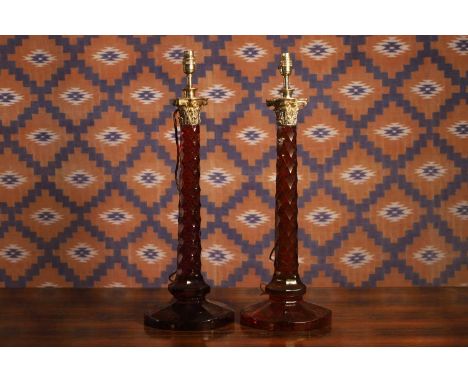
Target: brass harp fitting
(286,108)
(189,105)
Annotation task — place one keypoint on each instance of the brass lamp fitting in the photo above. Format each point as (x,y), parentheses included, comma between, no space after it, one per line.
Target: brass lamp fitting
(286,108)
(189,105)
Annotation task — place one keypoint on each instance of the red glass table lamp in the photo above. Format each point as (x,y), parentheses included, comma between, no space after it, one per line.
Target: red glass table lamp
(189,309)
(285,309)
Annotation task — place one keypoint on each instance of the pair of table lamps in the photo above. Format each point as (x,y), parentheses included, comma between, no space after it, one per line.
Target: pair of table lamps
(285,308)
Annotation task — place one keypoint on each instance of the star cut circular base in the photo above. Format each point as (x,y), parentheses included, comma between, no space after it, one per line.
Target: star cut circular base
(286,316)
(202,315)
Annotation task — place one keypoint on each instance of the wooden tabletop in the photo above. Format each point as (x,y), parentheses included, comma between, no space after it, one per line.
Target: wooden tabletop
(114,317)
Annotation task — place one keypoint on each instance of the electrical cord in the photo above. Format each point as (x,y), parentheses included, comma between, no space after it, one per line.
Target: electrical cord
(175,118)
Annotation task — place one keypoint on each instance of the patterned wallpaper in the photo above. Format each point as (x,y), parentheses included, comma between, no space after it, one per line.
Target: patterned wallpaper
(87,153)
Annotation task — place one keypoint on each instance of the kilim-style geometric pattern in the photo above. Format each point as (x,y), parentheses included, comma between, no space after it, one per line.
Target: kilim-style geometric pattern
(87,154)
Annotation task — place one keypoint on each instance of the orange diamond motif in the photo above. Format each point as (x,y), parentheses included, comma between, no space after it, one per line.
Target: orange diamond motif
(394,131)
(113,136)
(254,134)
(358,174)
(430,173)
(46,217)
(251,218)
(356,91)
(42,137)
(249,54)
(149,177)
(146,95)
(320,54)
(110,57)
(76,96)
(221,257)
(395,214)
(358,258)
(428,89)
(79,178)
(17,254)
(222,91)
(391,53)
(16,179)
(322,217)
(220,178)
(116,217)
(321,133)
(83,253)
(151,255)
(40,58)
(429,254)
(14,97)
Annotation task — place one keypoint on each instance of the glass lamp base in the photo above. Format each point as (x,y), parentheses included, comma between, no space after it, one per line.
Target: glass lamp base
(201,315)
(286,316)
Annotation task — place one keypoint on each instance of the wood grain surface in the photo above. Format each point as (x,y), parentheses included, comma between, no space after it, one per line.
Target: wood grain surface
(114,317)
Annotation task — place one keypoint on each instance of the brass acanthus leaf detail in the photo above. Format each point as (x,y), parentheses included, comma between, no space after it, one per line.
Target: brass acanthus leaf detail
(189,110)
(286,110)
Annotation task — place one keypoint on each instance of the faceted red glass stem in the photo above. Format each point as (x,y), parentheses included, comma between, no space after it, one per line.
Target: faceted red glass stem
(189,248)
(188,279)
(286,278)
(286,309)
(190,310)
(286,201)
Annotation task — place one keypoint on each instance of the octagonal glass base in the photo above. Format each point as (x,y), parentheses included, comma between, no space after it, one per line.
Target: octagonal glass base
(286,316)
(200,315)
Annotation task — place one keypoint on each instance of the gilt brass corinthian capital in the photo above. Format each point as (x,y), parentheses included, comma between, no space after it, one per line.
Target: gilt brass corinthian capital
(189,110)
(286,110)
